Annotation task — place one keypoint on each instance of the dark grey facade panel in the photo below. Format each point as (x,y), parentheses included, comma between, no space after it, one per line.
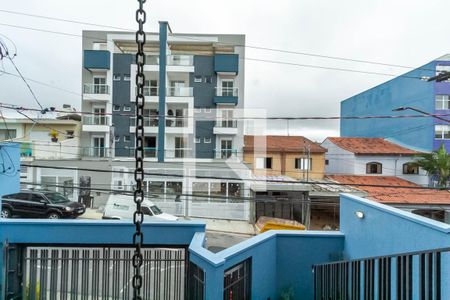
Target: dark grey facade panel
(203,91)
(204,129)
(121,97)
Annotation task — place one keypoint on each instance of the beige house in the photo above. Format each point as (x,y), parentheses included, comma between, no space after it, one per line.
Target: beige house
(292,156)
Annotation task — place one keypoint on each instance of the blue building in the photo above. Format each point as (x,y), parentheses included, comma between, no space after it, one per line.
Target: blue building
(379,251)
(407,90)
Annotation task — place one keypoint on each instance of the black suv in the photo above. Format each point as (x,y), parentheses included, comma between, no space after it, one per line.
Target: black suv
(41,204)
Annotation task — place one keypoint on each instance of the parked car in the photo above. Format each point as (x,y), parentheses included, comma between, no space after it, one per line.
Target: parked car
(123,207)
(40,204)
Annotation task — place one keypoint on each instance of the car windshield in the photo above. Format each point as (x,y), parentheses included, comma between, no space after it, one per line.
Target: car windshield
(56,198)
(155,209)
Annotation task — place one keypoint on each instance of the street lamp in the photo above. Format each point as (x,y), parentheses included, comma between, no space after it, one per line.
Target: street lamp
(420,111)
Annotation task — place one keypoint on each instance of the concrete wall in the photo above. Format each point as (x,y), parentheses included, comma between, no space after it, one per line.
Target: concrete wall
(340,161)
(9,169)
(380,100)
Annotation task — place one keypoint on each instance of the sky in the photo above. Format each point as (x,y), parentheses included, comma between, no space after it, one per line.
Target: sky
(401,32)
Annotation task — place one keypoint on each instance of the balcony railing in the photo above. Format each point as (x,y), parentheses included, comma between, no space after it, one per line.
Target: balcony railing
(151,91)
(152,59)
(95,152)
(149,152)
(180,92)
(176,121)
(89,88)
(178,153)
(224,123)
(226,153)
(180,60)
(148,121)
(226,92)
(95,120)
(396,277)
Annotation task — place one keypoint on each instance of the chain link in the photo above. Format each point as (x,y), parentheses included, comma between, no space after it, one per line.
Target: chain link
(138,216)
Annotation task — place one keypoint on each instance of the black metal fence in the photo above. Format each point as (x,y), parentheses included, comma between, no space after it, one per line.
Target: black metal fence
(237,281)
(386,277)
(101,273)
(196,282)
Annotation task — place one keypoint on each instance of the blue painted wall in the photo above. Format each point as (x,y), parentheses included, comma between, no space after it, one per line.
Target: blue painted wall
(380,100)
(9,168)
(96,59)
(226,63)
(280,260)
(163,27)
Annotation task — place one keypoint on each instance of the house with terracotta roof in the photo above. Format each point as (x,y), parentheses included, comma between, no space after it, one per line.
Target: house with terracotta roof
(293,156)
(371,157)
(401,193)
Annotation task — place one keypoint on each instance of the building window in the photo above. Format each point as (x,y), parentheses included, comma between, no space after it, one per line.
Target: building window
(126,77)
(7,134)
(197,140)
(116,77)
(207,140)
(227,88)
(263,163)
(442,132)
(197,78)
(116,107)
(23,172)
(117,138)
(208,79)
(207,110)
(327,162)
(442,102)
(441,68)
(126,138)
(303,163)
(226,148)
(126,108)
(373,168)
(410,168)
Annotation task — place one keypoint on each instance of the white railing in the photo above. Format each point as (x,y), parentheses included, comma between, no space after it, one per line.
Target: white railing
(180,60)
(151,91)
(96,120)
(148,121)
(226,123)
(180,92)
(227,92)
(90,88)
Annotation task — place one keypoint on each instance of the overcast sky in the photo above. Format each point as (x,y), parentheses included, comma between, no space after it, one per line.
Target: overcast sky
(407,32)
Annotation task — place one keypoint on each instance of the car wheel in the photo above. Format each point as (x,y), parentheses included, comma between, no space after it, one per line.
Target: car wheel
(53,215)
(6,213)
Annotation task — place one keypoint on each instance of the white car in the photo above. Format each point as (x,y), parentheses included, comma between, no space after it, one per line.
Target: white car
(122,207)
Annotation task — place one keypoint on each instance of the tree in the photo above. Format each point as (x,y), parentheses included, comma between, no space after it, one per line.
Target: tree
(436,164)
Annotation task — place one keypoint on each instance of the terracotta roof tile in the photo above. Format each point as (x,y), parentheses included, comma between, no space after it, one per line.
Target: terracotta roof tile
(370,146)
(393,195)
(279,143)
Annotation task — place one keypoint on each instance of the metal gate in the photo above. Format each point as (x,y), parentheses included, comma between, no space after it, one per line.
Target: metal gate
(102,273)
(237,282)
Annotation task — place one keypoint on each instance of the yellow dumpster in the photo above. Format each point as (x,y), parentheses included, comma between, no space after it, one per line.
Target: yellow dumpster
(267,223)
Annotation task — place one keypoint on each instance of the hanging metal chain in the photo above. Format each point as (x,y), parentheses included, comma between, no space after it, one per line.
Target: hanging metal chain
(138,216)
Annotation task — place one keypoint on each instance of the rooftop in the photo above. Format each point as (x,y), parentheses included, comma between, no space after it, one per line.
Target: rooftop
(370,146)
(376,190)
(279,143)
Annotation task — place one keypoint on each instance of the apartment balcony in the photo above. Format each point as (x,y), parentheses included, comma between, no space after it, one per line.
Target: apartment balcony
(173,94)
(149,152)
(180,92)
(150,124)
(95,152)
(180,63)
(225,153)
(96,124)
(179,153)
(96,60)
(227,64)
(96,92)
(226,95)
(228,127)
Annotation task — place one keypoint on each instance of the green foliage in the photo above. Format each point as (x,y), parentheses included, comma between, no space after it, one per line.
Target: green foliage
(436,164)
(37,292)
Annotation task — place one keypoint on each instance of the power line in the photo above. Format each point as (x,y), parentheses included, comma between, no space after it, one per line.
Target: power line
(214,118)
(251,59)
(222,43)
